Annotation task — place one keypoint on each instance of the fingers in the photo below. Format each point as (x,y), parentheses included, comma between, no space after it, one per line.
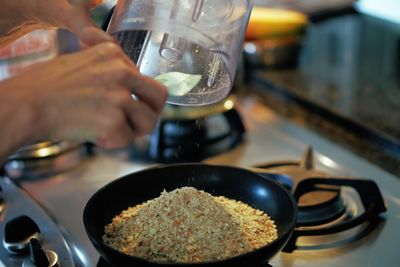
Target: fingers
(94,3)
(140,117)
(122,79)
(90,3)
(84,115)
(126,120)
(80,23)
(109,66)
(100,84)
(79,16)
(85,3)
(115,131)
(91,36)
(114,66)
(148,91)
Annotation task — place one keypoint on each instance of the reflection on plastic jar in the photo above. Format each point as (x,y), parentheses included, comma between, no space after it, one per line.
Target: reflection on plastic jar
(34,47)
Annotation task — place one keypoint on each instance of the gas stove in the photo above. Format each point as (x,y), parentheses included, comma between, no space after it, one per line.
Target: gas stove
(271,145)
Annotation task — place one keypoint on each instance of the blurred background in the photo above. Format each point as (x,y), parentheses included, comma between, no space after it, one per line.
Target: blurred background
(324,64)
(332,62)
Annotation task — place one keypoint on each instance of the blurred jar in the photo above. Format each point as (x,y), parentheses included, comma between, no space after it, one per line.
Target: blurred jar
(32,48)
(273,37)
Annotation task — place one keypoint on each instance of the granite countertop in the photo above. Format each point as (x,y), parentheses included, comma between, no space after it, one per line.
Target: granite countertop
(346,84)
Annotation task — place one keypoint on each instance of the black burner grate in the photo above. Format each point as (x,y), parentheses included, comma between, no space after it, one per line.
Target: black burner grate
(317,207)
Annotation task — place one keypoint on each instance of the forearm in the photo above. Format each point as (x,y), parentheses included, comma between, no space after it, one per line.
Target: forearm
(14,14)
(18,17)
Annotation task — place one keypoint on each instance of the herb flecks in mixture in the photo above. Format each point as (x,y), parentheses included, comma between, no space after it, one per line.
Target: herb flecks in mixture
(187,226)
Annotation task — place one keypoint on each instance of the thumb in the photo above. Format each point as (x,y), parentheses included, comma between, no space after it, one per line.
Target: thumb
(92,35)
(86,3)
(83,26)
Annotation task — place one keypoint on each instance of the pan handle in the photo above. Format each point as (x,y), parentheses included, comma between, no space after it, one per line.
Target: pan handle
(368,191)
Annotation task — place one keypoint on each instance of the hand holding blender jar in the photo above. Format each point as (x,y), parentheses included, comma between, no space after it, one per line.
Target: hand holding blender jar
(190,46)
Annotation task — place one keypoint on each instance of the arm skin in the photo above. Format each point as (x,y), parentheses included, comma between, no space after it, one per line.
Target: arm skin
(85,96)
(18,17)
(79,97)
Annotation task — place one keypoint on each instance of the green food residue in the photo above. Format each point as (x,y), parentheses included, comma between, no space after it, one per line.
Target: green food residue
(178,83)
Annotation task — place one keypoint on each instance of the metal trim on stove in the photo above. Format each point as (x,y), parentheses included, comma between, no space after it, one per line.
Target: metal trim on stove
(44,160)
(22,220)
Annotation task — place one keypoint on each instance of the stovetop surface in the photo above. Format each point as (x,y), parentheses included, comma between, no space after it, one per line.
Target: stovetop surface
(269,138)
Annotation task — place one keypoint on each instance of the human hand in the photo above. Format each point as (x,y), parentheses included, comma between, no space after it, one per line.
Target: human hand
(79,97)
(74,16)
(18,17)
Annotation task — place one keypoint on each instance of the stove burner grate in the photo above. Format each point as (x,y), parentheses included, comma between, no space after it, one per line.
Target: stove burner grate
(192,140)
(322,209)
(314,208)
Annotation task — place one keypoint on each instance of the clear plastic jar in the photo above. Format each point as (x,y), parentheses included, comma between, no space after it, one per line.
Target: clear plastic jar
(191,46)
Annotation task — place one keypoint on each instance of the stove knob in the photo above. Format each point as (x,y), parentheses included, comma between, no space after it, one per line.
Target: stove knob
(40,257)
(17,234)
(37,254)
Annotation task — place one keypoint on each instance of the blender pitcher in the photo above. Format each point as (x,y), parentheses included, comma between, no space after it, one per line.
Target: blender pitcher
(190,46)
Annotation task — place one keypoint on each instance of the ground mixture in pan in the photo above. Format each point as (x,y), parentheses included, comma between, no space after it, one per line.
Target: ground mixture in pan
(188,226)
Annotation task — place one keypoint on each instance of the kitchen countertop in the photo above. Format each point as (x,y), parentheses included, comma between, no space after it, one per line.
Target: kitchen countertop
(269,138)
(346,85)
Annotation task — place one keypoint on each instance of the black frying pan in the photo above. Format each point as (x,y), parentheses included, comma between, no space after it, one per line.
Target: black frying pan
(235,183)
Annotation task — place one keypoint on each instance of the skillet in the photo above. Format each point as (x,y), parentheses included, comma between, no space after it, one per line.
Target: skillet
(260,192)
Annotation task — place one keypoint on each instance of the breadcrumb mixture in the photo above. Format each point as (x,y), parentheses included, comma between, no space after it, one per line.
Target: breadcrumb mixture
(189,226)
